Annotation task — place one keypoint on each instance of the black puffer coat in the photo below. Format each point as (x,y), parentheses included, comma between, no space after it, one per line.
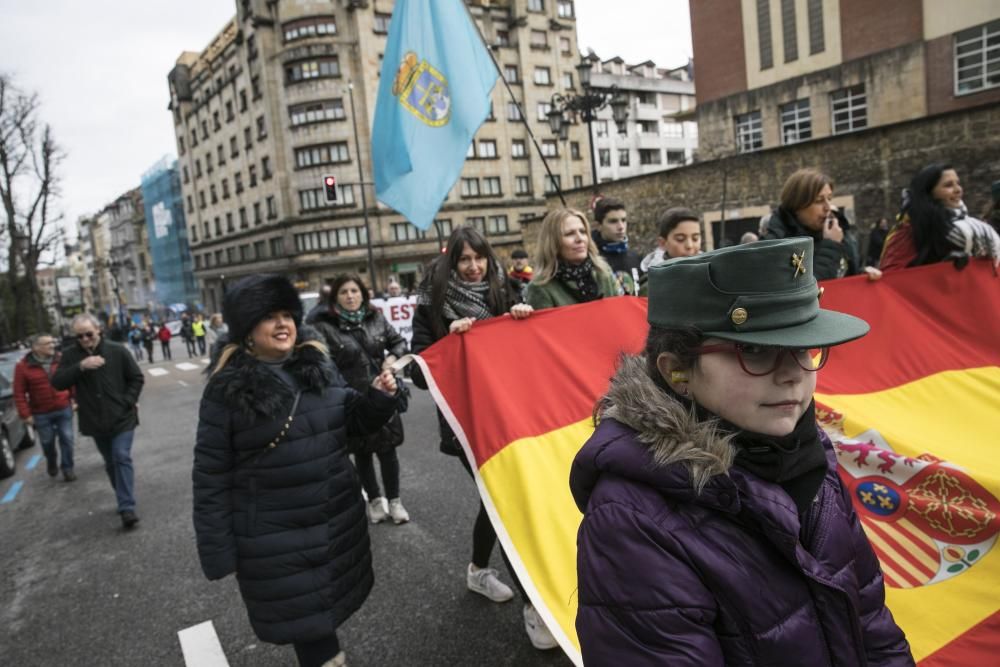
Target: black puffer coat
(289,521)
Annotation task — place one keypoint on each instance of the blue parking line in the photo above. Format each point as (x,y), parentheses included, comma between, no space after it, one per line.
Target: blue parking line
(33,462)
(12,493)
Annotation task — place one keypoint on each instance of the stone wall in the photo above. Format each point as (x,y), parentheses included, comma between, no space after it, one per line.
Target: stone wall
(869,169)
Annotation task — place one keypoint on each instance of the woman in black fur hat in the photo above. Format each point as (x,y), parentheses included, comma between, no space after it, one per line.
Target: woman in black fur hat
(276,499)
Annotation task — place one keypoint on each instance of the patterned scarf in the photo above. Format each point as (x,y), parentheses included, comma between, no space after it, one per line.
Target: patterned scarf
(461,299)
(609,247)
(972,236)
(579,280)
(350,316)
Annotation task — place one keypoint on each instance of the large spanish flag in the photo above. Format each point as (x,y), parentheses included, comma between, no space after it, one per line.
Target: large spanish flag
(913,410)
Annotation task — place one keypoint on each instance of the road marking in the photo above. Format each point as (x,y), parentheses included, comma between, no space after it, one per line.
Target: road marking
(205,361)
(201,646)
(12,493)
(157,371)
(185,366)
(33,462)
(182,383)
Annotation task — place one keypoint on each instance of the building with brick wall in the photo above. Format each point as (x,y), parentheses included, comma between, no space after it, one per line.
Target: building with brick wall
(268,108)
(778,72)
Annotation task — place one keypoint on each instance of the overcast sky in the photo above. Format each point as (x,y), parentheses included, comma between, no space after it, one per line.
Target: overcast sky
(100,69)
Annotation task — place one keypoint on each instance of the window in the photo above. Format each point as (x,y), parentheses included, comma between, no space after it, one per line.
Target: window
(539,39)
(218,258)
(310,156)
(543,111)
(315,198)
(265,168)
(278,247)
(649,156)
(318,68)
(675,158)
(382,23)
(272,208)
(194,138)
(190,209)
(510,73)
(567,80)
(647,127)
(245,252)
(543,76)
(604,157)
(205,227)
(764,33)
(252,171)
(212,194)
(623,157)
(502,38)
(244,223)
(201,201)
(238,181)
(479,222)
(247,138)
(261,128)
(230,255)
(491,186)
(204,129)
(536,5)
(229,111)
(216,124)
(243,101)
(565,9)
(791,41)
(259,250)
(817,42)
(977,58)
(796,122)
(251,47)
(310,27)
(518,149)
(522,185)
(550,148)
(317,112)
(749,135)
(513,111)
(208,163)
(180,145)
(255,87)
(256,213)
(218,226)
(404,231)
(565,46)
(601,127)
(646,98)
(225,188)
(234,149)
(330,238)
(489,115)
(197,262)
(229,222)
(470,152)
(672,130)
(487,148)
(470,187)
(850,109)
(574,150)
(187,177)
(222,155)
(552,183)
(578,181)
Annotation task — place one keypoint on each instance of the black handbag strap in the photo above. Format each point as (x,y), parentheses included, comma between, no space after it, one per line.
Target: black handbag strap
(256,454)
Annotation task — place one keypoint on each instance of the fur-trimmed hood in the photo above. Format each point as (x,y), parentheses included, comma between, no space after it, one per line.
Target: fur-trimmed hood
(244,384)
(678,453)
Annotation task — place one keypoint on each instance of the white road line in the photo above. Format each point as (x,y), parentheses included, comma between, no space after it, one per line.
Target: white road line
(157,371)
(182,383)
(185,366)
(204,361)
(201,646)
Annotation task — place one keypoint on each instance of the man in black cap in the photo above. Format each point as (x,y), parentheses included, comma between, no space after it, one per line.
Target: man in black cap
(611,237)
(519,270)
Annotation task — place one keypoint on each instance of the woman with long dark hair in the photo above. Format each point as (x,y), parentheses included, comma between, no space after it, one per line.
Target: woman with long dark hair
(276,499)
(463,286)
(935,226)
(363,344)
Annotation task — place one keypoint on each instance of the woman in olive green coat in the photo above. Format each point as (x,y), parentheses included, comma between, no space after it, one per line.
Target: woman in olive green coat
(569,269)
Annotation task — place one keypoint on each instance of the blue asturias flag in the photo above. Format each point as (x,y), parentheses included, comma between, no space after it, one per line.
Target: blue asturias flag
(433,95)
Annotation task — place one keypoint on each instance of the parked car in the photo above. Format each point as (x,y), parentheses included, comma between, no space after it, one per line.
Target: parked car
(14,433)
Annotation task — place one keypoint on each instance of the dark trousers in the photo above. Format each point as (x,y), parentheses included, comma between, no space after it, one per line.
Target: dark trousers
(201,344)
(314,654)
(189,343)
(165,346)
(116,450)
(149,352)
(389,463)
(53,425)
(484,538)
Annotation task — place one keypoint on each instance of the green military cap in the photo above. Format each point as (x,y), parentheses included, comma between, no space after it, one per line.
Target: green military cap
(761,293)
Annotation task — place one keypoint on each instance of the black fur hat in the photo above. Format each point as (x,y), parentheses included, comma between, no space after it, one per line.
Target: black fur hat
(250,299)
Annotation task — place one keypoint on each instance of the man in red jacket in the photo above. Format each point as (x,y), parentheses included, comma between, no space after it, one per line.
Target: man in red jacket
(44,406)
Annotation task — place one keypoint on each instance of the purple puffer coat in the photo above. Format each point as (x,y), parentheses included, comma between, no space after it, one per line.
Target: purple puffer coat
(668,576)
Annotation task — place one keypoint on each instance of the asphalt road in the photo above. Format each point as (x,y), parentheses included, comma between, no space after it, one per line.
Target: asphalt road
(75,589)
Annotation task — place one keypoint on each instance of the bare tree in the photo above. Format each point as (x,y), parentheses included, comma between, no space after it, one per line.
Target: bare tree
(29,187)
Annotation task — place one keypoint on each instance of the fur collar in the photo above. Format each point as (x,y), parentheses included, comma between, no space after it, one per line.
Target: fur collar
(671,430)
(244,383)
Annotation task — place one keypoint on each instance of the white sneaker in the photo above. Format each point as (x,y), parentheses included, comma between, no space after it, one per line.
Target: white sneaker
(339,660)
(486,583)
(377,510)
(398,512)
(538,633)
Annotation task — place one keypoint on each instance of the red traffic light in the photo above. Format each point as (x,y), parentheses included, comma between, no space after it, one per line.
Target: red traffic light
(330,180)
(330,188)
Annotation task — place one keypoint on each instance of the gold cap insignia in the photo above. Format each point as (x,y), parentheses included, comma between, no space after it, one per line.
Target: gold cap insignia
(799,262)
(739,316)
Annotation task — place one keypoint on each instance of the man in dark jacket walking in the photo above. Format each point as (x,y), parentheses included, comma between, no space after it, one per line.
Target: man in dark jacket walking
(49,410)
(107,382)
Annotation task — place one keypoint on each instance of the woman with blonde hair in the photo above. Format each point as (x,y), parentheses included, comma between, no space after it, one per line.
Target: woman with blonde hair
(568,268)
(276,499)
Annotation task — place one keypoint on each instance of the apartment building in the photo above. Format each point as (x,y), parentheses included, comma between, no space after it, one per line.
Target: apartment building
(268,109)
(778,72)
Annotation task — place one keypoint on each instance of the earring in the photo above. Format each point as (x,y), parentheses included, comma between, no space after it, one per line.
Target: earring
(678,377)
(248,341)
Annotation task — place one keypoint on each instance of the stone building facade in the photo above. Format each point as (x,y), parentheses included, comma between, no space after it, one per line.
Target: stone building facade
(869,168)
(773,73)
(268,109)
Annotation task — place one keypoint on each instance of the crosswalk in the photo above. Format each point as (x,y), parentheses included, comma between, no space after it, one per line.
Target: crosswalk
(184,366)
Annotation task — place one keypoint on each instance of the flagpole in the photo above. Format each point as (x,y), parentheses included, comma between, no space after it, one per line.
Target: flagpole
(364,199)
(520,111)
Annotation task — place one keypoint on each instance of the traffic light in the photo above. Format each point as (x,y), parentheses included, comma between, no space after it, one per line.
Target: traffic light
(330,187)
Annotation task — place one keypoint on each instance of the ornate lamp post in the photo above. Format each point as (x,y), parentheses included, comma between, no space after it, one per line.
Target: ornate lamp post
(566,107)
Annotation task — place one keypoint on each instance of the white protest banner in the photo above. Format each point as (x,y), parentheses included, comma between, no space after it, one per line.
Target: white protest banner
(399,311)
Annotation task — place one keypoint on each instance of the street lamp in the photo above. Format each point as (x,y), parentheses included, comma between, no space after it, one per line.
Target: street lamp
(587,105)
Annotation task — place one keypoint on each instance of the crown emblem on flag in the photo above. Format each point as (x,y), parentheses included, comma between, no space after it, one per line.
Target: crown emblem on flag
(927,519)
(422,90)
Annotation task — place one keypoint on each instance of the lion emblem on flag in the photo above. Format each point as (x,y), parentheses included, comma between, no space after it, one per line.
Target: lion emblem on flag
(927,519)
(422,90)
